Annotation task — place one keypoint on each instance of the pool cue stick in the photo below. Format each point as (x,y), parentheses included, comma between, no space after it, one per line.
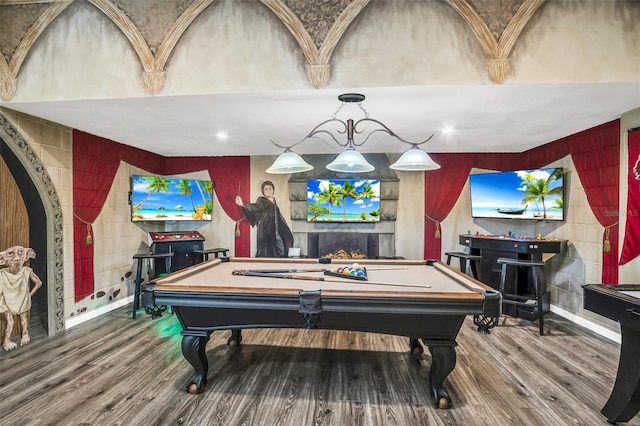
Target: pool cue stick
(284,271)
(302,277)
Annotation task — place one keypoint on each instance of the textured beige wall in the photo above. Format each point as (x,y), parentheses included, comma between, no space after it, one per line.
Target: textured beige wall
(579,42)
(236,46)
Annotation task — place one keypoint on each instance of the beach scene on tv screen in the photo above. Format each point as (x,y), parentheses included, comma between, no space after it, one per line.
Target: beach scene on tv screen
(156,198)
(524,194)
(343,200)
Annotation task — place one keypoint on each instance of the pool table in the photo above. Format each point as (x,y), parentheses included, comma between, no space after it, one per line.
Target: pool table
(423,300)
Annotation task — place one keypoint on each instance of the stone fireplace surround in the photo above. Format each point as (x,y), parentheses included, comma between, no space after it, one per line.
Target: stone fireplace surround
(379,237)
(355,244)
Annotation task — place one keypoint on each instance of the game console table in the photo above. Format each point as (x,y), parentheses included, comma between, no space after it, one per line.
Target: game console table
(492,247)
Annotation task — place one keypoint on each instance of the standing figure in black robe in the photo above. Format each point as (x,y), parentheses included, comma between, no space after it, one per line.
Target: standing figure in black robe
(274,236)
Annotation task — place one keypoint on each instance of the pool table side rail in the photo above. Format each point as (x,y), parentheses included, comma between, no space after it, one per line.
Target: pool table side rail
(255,303)
(325,292)
(168,282)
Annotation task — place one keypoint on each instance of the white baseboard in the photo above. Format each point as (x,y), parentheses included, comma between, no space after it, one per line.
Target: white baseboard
(589,325)
(76,320)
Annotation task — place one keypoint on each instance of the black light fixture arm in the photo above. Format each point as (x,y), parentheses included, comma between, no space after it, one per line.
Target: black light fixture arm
(386,130)
(349,128)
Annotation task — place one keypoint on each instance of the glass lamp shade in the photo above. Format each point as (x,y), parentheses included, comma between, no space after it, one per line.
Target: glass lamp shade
(289,162)
(350,161)
(414,160)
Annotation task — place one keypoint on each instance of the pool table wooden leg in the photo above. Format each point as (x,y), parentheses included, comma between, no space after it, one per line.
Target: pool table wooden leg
(235,338)
(193,349)
(415,347)
(443,360)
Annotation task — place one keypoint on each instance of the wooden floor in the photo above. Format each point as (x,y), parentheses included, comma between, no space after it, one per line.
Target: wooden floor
(117,371)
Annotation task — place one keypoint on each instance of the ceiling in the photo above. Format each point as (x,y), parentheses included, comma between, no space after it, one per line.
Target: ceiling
(486,118)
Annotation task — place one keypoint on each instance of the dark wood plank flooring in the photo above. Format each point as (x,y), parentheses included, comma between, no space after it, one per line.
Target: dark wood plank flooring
(117,371)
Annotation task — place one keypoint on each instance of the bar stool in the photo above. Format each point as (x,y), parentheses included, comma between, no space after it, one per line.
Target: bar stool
(138,282)
(537,303)
(465,258)
(204,254)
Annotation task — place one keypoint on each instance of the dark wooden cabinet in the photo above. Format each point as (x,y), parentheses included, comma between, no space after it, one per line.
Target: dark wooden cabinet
(183,246)
(492,247)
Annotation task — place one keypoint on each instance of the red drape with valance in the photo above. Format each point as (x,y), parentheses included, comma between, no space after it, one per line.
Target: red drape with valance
(94,167)
(442,188)
(595,152)
(95,163)
(596,155)
(231,177)
(631,245)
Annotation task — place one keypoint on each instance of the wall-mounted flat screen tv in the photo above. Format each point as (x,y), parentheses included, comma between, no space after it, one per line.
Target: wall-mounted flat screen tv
(157,198)
(525,194)
(343,200)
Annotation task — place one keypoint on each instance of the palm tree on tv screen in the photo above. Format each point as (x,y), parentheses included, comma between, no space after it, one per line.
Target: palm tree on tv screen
(367,194)
(317,211)
(539,189)
(208,189)
(559,204)
(331,195)
(348,191)
(185,189)
(156,184)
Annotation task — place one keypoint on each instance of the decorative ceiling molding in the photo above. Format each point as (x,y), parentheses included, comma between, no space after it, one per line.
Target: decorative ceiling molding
(318,68)
(9,68)
(317,26)
(497,51)
(153,64)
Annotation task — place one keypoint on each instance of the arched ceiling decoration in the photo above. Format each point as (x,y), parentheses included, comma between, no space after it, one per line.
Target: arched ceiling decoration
(22,24)
(154,27)
(497,24)
(144,23)
(318,27)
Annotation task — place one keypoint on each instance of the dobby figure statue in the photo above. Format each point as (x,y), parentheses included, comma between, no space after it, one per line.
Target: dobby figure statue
(15,292)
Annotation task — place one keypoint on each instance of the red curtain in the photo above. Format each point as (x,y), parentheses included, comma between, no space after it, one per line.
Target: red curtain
(442,188)
(631,245)
(95,163)
(94,167)
(596,155)
(232,177)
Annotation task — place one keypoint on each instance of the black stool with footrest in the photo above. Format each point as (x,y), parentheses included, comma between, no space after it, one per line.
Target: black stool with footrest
(138,280)
(204,254)
(465,258)
(529,306)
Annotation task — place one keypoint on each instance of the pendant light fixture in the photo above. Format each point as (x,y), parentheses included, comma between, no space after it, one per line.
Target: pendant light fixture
(350,160)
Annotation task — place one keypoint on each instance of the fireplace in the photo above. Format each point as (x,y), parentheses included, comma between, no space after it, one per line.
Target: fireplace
(342,245)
